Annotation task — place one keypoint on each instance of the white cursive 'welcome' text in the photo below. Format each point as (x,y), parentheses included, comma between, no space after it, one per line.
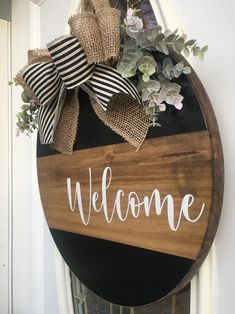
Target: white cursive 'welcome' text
(134,204)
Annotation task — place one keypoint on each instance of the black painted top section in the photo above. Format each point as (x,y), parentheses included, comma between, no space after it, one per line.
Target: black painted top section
(119,273)
(93,133)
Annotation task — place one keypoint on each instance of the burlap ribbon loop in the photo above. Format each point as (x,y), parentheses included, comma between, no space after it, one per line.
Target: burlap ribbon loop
(98,30)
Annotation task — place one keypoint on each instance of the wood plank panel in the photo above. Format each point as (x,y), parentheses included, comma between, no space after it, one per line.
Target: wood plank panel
(217,171)
(175,165)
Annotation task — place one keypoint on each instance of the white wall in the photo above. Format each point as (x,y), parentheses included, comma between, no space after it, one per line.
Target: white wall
(213,22)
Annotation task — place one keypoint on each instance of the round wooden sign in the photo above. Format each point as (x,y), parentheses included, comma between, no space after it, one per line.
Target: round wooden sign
(135,226)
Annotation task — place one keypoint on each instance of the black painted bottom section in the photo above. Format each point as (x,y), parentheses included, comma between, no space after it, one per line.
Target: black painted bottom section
(119,273)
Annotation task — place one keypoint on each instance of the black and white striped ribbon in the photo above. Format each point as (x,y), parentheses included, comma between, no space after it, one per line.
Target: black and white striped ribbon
(68,70)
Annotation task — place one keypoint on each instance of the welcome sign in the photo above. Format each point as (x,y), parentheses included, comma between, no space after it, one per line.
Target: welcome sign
(124,218)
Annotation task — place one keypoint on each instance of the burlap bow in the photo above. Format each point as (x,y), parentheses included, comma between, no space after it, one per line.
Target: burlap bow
(53,78)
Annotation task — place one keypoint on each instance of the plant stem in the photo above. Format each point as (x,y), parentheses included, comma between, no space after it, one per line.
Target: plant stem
(116,3)
(137,2)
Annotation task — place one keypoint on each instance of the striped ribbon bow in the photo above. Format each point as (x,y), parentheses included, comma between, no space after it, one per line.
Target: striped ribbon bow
(67,69)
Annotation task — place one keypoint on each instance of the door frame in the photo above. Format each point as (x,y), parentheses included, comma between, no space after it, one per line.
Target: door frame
(5,171)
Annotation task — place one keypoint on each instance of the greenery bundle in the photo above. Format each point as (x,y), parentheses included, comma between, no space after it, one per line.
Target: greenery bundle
(138,61)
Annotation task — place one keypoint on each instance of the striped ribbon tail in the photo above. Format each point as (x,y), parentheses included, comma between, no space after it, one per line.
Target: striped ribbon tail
(48,117)
(107,82)
(47,86)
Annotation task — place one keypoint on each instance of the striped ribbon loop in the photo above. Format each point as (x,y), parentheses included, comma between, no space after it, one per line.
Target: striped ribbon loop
(43,79)
(69,69)
(70,61)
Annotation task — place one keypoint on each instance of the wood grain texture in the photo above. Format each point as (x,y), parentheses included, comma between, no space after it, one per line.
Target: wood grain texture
(217,172)
(178,165)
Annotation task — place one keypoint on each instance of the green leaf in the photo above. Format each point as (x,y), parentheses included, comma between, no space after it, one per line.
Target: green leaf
(159,38)
(169,39)
(25,107)
(158,28)
(131,73)
(147,65)
(158,47)
(175,48)
(164,49)
(167,62)
(145,95)
(196,51)
(173,87)
(179,44)
(168,70)
(143,67)
(145,78)
(151,69)
(187,70)
(186,52)
(201,56)
(179,66)
(154,85)
(204,49)
(25,97)
(177,73)
(13,82)
(151,35)
(21,124)
(190,42)
(167,33)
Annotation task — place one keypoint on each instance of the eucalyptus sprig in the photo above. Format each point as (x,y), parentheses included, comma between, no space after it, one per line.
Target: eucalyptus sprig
(168,70)
(156,39)
(131,55)
(27,117)
(156,95)
(13,82)
(154,78)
